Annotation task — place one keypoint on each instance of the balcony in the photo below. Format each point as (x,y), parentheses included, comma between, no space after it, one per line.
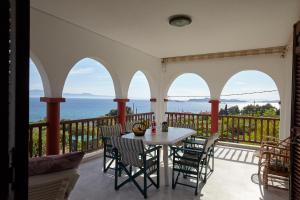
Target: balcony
(235,174)
(126,41)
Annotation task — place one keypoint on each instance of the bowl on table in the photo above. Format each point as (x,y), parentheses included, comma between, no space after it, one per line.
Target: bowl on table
(139,129)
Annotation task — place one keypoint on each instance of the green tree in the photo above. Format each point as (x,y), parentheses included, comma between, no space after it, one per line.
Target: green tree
(271,112)
(223,111)
(234,110)
(114,112)
(250,109)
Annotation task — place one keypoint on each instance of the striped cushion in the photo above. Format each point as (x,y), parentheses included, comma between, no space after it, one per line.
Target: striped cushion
(130,150)
(108,131)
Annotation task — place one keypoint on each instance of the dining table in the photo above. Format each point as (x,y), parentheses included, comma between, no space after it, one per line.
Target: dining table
(166,139)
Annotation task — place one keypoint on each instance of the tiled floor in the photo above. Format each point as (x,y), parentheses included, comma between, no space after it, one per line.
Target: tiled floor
(235,178)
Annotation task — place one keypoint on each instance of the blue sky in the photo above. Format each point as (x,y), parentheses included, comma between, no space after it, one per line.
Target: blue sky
(90,76)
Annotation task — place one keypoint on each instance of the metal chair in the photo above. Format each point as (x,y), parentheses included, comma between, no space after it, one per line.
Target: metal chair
(108,155)
(131,153)
(180,125)
(191,161)
(198,142)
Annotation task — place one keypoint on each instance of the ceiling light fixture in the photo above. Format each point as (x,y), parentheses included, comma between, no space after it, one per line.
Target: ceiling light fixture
(180,20)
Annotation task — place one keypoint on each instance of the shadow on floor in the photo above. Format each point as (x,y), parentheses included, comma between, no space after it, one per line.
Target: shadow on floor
(235,155)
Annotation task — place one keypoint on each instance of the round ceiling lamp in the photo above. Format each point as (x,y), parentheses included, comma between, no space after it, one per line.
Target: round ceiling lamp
(180,20)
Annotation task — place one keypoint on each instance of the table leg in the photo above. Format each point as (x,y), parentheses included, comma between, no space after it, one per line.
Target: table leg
(166,160)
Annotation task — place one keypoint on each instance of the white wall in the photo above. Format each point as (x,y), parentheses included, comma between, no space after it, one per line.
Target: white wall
(216,72)
(56,45)
(59,45)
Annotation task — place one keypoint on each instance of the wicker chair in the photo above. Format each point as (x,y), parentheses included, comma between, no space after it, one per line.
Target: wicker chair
(276,166)
(131,153)
(268,146)
(108,155)
(56,185)
(191,162)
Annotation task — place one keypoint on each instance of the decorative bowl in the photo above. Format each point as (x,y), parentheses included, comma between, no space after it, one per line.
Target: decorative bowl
(139,129)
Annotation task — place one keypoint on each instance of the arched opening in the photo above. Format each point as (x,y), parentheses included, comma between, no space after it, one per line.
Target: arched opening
(251,88)
(188,93)
(255,94)
(89,90)
(37,109)
(139,93)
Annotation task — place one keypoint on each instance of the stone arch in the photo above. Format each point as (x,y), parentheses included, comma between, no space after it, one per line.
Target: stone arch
(175,76)
(249,70)
(45,80)
(148,79)
(113,75)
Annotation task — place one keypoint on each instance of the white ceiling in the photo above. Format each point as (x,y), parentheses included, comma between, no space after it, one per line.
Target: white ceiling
(218,25)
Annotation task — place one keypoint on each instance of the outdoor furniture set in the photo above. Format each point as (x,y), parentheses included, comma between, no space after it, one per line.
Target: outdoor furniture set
(192,156)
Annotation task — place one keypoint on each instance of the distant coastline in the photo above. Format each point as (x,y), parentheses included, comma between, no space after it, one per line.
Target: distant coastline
(226,101)
(39,93)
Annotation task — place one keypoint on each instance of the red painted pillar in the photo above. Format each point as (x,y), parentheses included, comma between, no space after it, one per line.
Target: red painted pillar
(53,120)
(214,115)
(122,111)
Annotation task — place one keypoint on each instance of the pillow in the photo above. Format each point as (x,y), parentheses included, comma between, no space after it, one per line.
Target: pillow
(54,163)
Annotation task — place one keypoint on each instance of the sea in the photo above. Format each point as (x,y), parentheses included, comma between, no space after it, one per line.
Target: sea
(80,108)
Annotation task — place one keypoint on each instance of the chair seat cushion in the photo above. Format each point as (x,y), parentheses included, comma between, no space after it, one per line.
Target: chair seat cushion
(278,166)
(54,163)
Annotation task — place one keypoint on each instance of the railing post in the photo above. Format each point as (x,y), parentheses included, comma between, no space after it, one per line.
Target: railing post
(53,120)
(214,115)
(122,111)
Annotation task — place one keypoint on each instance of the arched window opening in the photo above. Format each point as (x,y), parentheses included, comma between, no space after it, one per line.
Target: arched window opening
(37,109)
(251,93)
(89,90)
(139,94)
(188,93)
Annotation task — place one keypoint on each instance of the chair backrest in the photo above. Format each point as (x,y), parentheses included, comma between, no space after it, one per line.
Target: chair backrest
(128,125)
(208,144)
(130,150)
(216,136)
(285,142)
(109,131)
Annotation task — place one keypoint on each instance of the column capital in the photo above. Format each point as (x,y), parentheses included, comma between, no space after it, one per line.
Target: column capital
(214,101)
(121,100)
(52,100)
(153,99)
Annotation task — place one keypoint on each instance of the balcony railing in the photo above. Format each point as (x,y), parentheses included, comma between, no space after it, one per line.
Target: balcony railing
(248,129)
(200,121)
(244,129)
(84,135)
(145,117)
(77,135)
(37,139)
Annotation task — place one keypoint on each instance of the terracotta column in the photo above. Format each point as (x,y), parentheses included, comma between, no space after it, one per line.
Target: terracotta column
(122,111)
(53,120)
(214,115)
